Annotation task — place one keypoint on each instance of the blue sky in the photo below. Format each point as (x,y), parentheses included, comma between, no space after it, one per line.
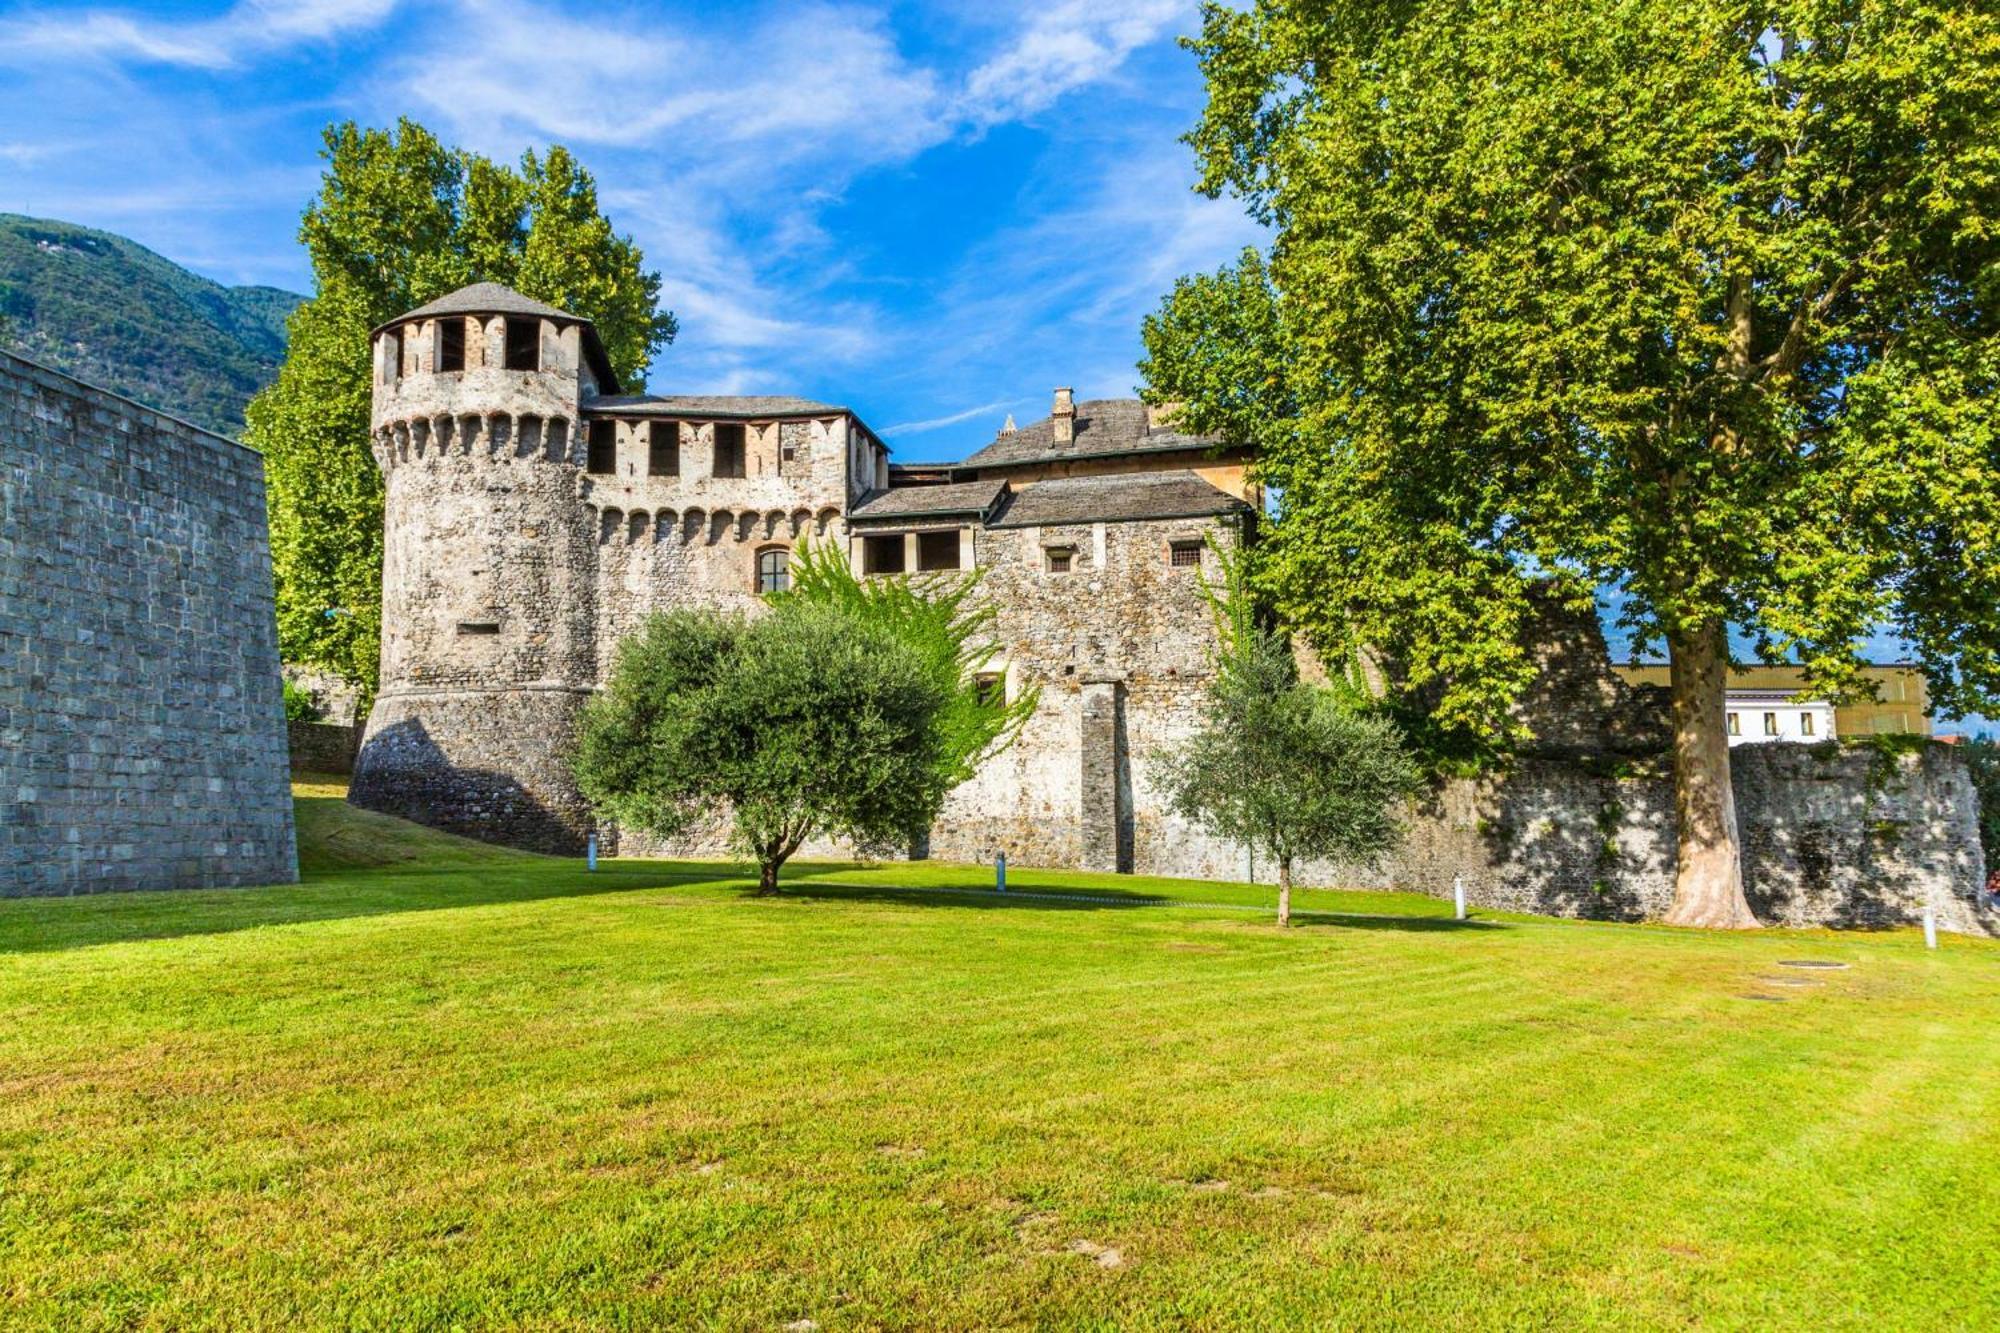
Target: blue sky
(933,214)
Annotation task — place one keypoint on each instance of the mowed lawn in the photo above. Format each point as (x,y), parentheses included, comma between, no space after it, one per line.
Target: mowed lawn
(442,1085)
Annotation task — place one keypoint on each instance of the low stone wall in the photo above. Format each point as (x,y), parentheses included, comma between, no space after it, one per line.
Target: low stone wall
(1832,836)
(322,747)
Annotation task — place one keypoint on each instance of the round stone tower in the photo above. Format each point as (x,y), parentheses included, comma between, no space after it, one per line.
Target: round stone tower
(488,571)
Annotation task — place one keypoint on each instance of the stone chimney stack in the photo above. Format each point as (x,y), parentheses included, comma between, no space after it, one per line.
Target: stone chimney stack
(1062,418)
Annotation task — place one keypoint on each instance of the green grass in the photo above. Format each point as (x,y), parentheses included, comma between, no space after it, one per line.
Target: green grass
(444,1085)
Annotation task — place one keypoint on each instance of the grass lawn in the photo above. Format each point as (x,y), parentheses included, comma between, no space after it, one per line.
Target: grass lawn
(440,1084)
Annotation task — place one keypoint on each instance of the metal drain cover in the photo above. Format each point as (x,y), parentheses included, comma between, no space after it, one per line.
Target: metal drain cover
(1816,964)
(1767,999)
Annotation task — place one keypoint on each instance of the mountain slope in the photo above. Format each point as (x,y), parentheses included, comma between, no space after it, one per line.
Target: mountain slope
(109,311)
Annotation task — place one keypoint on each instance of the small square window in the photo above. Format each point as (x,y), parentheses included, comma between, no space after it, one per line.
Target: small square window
(991,688)
(937,550)
(882,555)
(1058,558)
(1183,555)
(524,344)
(603,451)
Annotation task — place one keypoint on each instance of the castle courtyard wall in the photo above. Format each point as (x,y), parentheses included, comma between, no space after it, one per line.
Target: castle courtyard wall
(142,729)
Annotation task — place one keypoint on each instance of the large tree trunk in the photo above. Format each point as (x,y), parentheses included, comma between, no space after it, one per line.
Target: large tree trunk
(1708,885)
(767,876)
(1284,890)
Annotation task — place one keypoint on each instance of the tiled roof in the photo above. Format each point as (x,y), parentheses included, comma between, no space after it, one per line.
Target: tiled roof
(713,405)
(488,298)
(963,497)
(1143,495)
(1103,426)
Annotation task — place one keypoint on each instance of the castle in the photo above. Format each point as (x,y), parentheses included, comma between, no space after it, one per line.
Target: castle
(535,514)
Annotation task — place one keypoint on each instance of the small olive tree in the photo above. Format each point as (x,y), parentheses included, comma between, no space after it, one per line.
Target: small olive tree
(850,710)
(1293,769)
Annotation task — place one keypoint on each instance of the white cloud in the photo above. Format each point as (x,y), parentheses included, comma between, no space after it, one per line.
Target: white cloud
(250,28)
(1062,48)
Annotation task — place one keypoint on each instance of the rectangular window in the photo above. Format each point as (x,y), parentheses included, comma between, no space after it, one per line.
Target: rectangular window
(1770,724)
(1735,724)
(471,627)
(451,344)
(937,550)
(1058,558)
(396,355)
(663,455)
(992,689)
(1181,555)
(1805,724)
(728,449)
(603,459)
(882,555)
(524,344)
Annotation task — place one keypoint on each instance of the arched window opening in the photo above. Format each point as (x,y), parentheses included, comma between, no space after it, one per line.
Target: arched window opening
(774,570)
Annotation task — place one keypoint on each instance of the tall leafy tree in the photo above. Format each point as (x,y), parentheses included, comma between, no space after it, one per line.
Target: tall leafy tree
(1691,298)
(400,219)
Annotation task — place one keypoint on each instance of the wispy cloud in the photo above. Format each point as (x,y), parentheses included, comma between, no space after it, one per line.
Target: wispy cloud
(1062,48)
(939,423)
(248,29)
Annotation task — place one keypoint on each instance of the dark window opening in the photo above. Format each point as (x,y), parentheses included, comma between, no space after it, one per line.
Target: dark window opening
(478,627)
(774,570)
(524,344)
(1059,558)
(603,450)
(991,690)
(451,345)
(882,555)
(728,449)
(663,454)
(937,550)
(396,355)
(1183,554)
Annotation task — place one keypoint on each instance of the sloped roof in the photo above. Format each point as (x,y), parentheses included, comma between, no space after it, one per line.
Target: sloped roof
(488,298)
(962,497)
(715,405)
(1103,426)
(1117,499)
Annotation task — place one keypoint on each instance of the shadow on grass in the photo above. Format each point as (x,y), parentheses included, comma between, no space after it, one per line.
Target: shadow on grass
(1029,896)
(41,925)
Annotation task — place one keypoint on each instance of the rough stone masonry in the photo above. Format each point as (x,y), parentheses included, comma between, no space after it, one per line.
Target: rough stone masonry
(142,732)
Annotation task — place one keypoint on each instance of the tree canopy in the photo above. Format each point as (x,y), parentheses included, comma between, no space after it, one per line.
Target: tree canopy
(399,220)
(1693,300)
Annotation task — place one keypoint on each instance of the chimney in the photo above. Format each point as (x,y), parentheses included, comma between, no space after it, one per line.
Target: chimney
(1062,418)
(1008,427)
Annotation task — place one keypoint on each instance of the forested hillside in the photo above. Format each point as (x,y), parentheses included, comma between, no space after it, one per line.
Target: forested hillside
(109,311)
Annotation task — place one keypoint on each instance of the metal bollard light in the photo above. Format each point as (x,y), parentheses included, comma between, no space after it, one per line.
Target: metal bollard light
(1000,873)
(1458,896)
(590,851)
(1930,927)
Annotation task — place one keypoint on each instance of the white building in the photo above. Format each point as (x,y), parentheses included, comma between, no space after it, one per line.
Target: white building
(1759,717)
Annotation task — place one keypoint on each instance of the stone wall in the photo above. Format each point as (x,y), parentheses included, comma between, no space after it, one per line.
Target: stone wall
(322,747)
(142,737)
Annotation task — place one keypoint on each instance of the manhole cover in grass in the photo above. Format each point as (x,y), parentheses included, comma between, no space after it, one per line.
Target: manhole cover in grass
(1815,964)
(1767,999)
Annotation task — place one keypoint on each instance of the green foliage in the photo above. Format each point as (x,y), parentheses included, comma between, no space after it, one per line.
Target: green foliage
(1292,769)
(1982,759)
(809,721)
(113,313)
(936,616)
(1692,299)
(300,706)
(400,219)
